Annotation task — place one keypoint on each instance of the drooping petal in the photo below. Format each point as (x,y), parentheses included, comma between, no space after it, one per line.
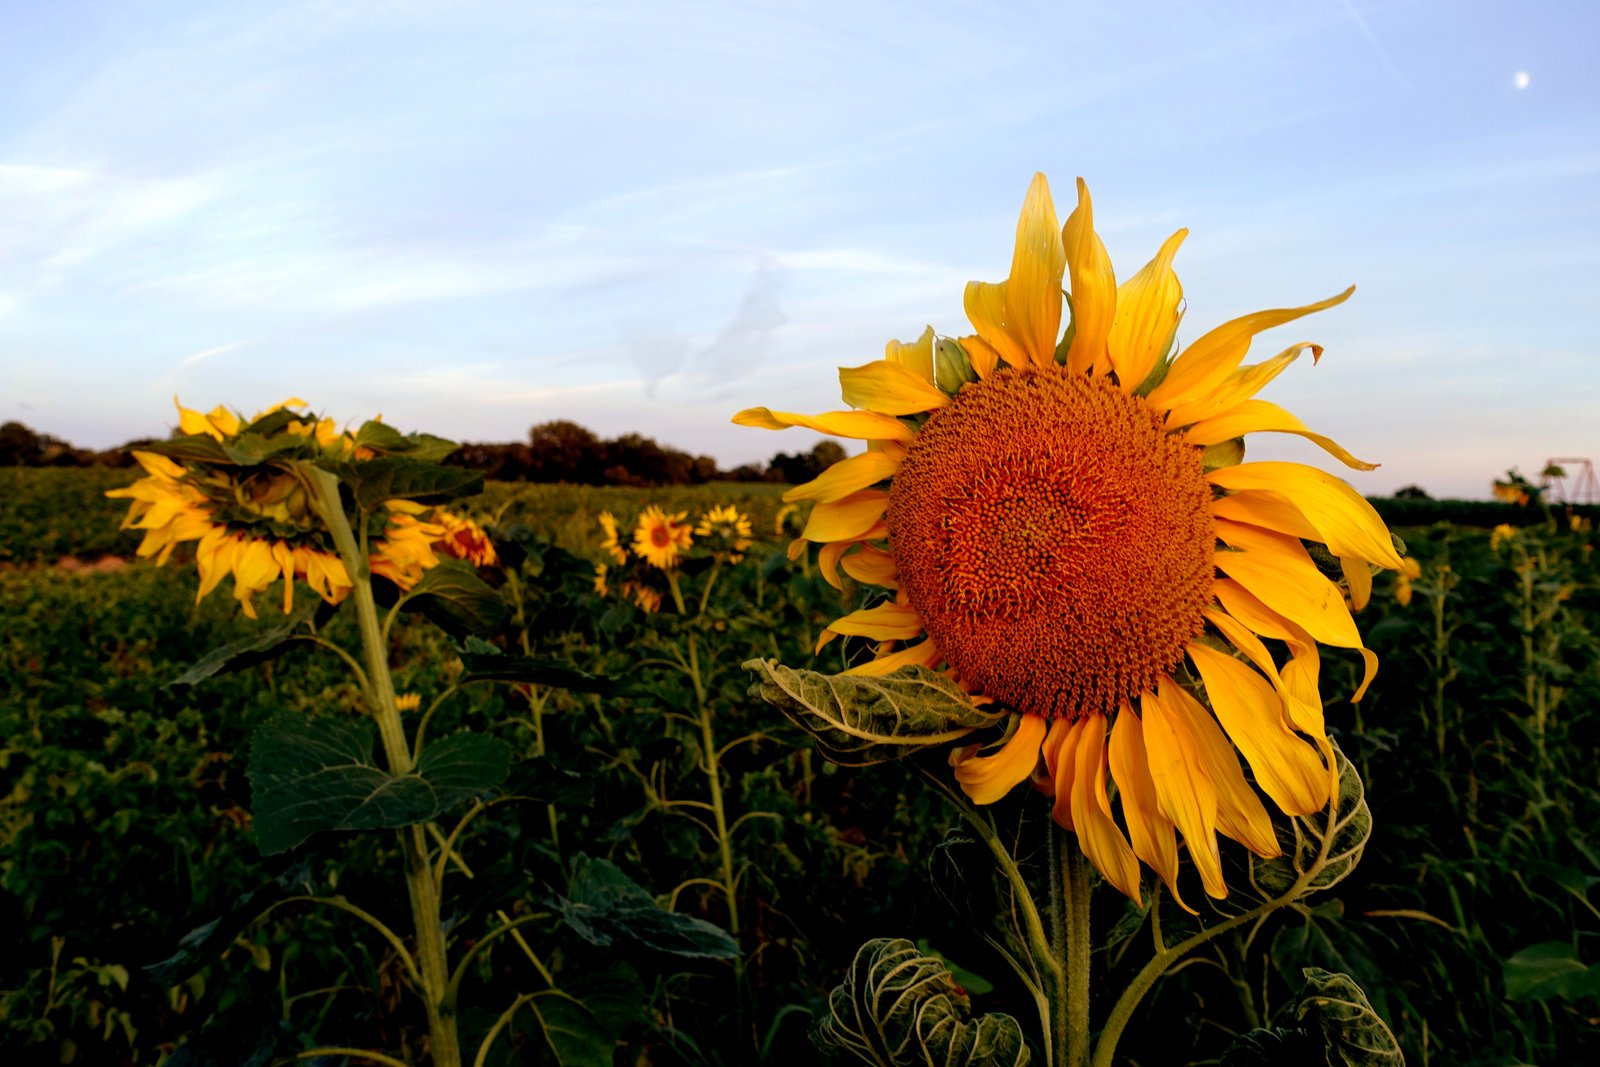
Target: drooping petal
(922,654)
(985,779)
(1098,833)
(848,519)
(889,389)
(1215,355)
(1263,416)
(1358,577)
(872,566)
(846,477)
(1237,387)
(828,562)
(1286,766)
(916,356)
(860,425)
(1277,570)
(1348,525)
(1184,792)
(1146,317)
(1301,714)
(1240,813)
(886,622)
(1151,832)
(1094,289)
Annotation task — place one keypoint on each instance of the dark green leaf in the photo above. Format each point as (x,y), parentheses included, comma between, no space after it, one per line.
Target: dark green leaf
(858,720)
(190,448)
(604,906)
(249,449)
(385,440)
(1335,1006)
(535,671)
(898,1006)
(403,478)
(257,648)
(583,1019)
(1549,969)
(452,595)
(539,779)
(313,774)
(1288,1046)
(204,942)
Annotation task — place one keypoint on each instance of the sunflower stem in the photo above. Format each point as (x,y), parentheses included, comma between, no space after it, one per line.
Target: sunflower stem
(1069,936)
(443,1044)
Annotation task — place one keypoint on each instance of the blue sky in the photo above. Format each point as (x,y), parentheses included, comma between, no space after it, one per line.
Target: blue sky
(475,217)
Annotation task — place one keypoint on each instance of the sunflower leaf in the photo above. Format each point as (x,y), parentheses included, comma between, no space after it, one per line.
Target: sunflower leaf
(313,774)
(604,906)
(189,448)
(1355,1035)
(259,647)
(498,666)
(857,719)
(453,596)
(1321,848)
(404,477)
(899,1006)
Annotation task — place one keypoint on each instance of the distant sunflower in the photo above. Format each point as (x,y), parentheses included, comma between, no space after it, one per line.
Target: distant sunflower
(612,543)
(660,539)
(1067,528)
(725,530)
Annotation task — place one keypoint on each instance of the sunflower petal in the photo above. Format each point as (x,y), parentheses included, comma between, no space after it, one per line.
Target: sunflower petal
(1094,289)
(1215,355)
(860,425)
(1263,416)
(916,356)
(1238,387)
(889,389)
(828,562)
(985,779)
(1146,317)
(981,354)
(1270,511)
(847,519)
(1033,292)
(886,622)
(873,566)
(1184,792)
(1287,767)
(1277,570)
(846,477)
(1348,525)
(1150,831)
(922,654)
(1358,577)
(1098,833)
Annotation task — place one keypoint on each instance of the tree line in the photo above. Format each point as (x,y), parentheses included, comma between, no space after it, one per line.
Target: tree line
(556,451)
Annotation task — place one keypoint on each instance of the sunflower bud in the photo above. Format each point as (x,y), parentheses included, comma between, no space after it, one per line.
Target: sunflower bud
(951,366)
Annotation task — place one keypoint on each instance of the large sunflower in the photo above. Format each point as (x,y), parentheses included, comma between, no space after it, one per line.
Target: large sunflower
(1067,528)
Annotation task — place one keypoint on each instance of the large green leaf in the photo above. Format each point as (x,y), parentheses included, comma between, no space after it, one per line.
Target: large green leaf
(858,720)
(1550,969)
(500,667)
(404,478)
(604,906)
(257,648)
(899,1006)
(1319,849)
(189,448)
(385,440)
(313,774)
(1335,1006)
(453,596)
(584,1017)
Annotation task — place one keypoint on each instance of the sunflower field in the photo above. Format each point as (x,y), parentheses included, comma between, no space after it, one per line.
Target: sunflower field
(1045,729)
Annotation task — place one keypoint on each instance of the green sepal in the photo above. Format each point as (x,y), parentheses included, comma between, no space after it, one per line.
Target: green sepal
(1228,453)
(952,367)
(604,906)
(190,448)
(313,774)
(372,481)
(858,719)
(899,1006)
(259,647)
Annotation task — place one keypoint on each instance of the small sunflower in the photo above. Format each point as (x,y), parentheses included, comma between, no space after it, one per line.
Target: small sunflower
(660,539)
(726,532)
(601,586)
(1066,526)
(612,543)
(1410,571)
(464,539)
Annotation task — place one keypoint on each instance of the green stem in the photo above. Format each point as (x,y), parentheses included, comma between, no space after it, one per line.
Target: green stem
(1069,935)
(443,1045)
(719,811)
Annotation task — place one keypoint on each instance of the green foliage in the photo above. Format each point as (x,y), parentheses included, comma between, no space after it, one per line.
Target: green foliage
(858,720)
(605,906)
(1334,1025)
(1320,849)
(313,774)
(453,596)
(898,1006)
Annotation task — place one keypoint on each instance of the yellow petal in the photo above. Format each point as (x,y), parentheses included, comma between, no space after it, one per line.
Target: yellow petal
(1277,570)
(981,354)
(1240,813)
(283,556)
(846,477)
(1061,756)
(1094,288)
(1286,767)
(1184,792)
(1302,714)
(1263,416)
(886,622)
(1146,317)
(921,654)
(1021,317)
(1358,577)
(889,389)
(828,562)
(1299,675)
(1150,831)
(860,425)
(847,519)
(985,779)
(1346,523)
(916,356)
(872,566)
(1215,355)
(1098,833)
(1269,511)
(1237,387)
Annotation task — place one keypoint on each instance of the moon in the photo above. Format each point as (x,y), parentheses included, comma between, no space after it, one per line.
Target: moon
(1520,79)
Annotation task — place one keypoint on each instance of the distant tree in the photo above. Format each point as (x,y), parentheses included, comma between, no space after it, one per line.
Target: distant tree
(804,466)
(563,451)
(22,446)
(1412,492)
